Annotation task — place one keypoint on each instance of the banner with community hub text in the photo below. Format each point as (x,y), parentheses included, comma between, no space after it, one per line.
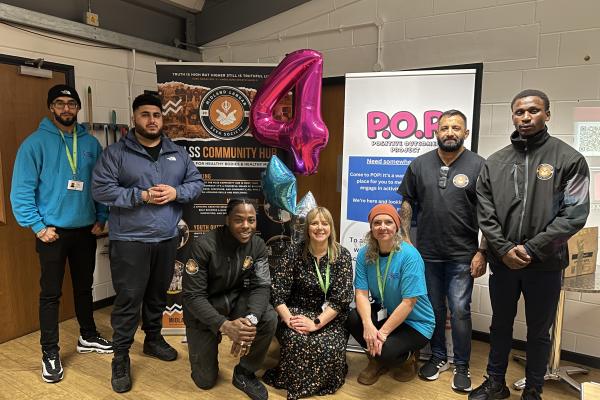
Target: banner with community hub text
(390,119)
(206,109)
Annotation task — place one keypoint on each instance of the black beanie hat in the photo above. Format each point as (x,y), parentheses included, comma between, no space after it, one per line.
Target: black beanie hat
(146,99)
(63,90)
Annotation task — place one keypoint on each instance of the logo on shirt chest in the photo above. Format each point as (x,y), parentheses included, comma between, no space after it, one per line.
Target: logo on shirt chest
(247,264)
(545,171)
(191,267)
(460,181)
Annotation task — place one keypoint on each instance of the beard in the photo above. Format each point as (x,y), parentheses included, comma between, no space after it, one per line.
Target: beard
(148,135)
(451,147)
(65,122)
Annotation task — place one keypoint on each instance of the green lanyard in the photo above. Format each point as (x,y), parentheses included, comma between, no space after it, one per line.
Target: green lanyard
(72,159)
(381,282)
(324,286)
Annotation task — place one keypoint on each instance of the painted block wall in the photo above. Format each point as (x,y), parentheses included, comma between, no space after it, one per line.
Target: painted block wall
(522,43)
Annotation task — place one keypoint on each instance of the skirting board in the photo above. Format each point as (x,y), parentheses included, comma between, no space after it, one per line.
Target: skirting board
(571,356)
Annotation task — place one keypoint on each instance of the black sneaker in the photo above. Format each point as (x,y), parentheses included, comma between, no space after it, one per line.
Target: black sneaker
(248,383)
(462,378)
(121,374)
(52,370)
(531,394)
(432,368)
(490,389)
(159,348)
(95,343)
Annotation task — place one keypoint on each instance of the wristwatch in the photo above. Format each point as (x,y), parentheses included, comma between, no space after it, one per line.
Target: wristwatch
(252,318)
(317,321)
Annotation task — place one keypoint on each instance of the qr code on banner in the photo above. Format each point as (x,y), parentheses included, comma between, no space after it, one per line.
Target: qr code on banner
(587,138)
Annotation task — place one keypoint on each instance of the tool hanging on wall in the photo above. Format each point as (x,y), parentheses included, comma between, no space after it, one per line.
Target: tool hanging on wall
(105,126)
(90,110)
(113,125)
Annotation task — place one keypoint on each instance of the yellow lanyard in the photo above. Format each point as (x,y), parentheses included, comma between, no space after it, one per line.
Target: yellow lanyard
(381,282)
(71,158)
(324,285)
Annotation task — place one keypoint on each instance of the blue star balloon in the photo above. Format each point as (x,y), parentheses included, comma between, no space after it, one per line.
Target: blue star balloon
(279,185)
(305,204)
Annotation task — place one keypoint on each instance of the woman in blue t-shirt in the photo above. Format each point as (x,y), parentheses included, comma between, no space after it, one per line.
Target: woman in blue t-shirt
(401,319)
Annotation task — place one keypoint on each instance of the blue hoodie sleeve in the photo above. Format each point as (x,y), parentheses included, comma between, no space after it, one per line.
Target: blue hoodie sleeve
(105,181)
(101,209)
(28,166)
(192,184)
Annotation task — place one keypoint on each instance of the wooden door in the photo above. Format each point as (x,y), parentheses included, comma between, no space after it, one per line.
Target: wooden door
(325,184)
(23,105)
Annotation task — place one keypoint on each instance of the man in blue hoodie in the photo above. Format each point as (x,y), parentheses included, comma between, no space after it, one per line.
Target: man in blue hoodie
(145,178)
(51,195)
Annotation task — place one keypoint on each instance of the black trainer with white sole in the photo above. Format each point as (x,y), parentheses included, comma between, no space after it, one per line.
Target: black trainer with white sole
(95,343)
(432,368)
(52,370)
(462,378)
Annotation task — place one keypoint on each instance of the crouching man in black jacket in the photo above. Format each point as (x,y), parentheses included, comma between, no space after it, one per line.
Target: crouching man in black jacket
(226,289)
(532,197)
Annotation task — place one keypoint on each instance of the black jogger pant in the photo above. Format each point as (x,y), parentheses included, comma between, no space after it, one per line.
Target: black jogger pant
(141,275)
(541,290)
(78,246)
(203,346)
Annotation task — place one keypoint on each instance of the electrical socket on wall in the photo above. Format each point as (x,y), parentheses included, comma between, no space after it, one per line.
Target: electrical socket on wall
(92,19)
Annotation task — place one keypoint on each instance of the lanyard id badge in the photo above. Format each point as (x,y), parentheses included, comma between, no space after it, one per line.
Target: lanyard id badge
(382,314)
(381,282)
(75,185)
(324,285)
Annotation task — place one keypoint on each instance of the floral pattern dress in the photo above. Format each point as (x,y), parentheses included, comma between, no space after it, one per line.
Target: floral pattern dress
(313,364)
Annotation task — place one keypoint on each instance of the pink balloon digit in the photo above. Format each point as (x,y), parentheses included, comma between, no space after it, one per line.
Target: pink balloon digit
(305,135)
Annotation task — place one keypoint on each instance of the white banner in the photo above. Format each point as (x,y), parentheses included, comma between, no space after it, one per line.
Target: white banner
(390,118)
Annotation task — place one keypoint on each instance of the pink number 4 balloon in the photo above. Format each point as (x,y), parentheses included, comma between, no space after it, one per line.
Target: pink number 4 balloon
(305,135)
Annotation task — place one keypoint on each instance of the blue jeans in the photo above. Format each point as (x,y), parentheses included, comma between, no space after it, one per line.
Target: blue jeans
(451,280)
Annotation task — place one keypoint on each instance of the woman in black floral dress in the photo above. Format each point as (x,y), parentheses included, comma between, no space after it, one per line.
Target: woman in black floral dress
(311,292)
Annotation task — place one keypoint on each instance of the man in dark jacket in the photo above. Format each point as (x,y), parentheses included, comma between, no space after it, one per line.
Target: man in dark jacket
(533,196)
(145,179)
(226,289)
(447,239)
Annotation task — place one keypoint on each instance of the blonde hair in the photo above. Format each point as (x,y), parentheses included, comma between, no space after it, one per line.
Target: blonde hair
(333,247)
(373,245)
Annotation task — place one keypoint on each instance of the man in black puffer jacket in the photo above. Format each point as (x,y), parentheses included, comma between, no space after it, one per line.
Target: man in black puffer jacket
(533,196)
(226,290)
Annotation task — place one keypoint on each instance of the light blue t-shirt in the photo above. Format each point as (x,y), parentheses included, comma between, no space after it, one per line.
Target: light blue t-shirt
(406,279)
